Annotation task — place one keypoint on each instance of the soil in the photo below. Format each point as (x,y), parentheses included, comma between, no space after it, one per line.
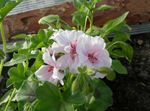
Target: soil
(130,92)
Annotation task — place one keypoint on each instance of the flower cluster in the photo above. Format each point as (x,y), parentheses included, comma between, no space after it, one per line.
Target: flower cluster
(72,49)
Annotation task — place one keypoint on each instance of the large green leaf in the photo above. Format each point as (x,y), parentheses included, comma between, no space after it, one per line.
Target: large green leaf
(102,95)
(121,49)
(6,7)
(49,98)
(113,24)
(27,91)
(17,75)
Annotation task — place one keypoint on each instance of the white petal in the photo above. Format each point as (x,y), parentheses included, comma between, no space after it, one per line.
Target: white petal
(42,73)
(104,59)
(99,75)
(75,64)
(67,49)
(57,74)
(57,48)
(64,61)
(48,59)
(61,37)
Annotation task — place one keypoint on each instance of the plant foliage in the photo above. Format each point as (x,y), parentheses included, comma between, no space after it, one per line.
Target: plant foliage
(80,92)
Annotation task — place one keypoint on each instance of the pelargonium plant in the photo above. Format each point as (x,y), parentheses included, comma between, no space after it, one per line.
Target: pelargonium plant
(62,68)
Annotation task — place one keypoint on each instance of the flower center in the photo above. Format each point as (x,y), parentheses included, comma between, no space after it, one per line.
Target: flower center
(73,49)
(92,58)
(50,69)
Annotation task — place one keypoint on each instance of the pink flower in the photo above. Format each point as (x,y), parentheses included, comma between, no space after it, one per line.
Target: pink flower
(92,53)
(66,42)
(50,71)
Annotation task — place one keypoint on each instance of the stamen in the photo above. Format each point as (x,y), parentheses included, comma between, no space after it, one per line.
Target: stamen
(50,69)
(92,58)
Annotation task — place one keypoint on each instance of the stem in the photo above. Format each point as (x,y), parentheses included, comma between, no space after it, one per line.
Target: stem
(9,100)
(1,66)
(91,23)
(3,36)
(4,45)
(85,24)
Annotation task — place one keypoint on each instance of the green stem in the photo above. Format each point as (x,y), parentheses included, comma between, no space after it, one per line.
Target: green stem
(1,66)
(85,24)
(91,23)
(4,46)
(3,36)
(10,99)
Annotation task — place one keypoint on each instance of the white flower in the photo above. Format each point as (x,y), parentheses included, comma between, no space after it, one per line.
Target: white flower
(66,42)
(49,72)
(92,53)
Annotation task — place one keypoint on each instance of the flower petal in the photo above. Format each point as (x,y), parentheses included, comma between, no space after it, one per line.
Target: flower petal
(99,75)
(43,74)
(64,61)
(57,47)
(48,59)
(57,74)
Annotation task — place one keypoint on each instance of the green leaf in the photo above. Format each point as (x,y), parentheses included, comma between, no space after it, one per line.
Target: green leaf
(82,83)
(110,74)
(19,36)
(21,58)
(4,99)
(38,62)
(42,39)
(118,67)
(105,7)
(79,18)
(51,20)
(14,47)
(50,98)
(48,90)
(17,76)
(121,36)
(78,4)
(103,96)
(6,7)
(113,24)
(119,49)
(27,91)
(77,98)
(94,31)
